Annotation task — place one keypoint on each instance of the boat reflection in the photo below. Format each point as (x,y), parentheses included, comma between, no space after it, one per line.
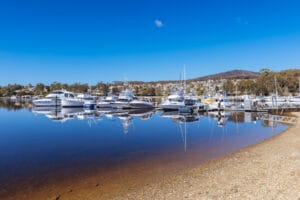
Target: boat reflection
(126,116)
(177,116)
(182,120)
(57,113)
(92,116)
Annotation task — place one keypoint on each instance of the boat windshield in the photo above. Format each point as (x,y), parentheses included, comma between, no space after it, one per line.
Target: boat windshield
(179,93)
(57,92)
(108,100)
(124,100)
(190,102)
(70,95)
(127,93)
(176,100)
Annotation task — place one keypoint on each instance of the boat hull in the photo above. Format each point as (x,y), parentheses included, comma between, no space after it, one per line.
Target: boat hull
(104,105)
(141,105)
(121,105)
(46,102)
(171,107)
(72,103)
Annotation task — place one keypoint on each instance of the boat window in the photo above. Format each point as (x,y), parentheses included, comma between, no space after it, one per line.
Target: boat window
(189,102)
(124,100)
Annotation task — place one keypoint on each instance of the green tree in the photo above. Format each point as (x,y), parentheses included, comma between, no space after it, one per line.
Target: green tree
(229,86)
(115,90)
(39,89)
(103,88)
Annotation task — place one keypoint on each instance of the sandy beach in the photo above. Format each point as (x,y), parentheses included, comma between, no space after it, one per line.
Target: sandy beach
(268,170)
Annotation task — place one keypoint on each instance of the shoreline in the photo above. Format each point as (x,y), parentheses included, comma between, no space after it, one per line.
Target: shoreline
(243,174)
(269,169)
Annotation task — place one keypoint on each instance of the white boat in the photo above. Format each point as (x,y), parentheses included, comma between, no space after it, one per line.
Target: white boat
(69,100)
(124,99)
(192,103)
(141,103)
(295,100)
(89,100)
(52,99)
(173,102)
(275,101)
(177,101)
(108,101)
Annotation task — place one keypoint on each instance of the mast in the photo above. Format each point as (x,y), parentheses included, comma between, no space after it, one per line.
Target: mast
(299,86)
(184,81)
(185,142)
(276,92)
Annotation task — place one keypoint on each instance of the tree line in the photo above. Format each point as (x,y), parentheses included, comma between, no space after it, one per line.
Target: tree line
(287,83)
(100,88)
(264,84)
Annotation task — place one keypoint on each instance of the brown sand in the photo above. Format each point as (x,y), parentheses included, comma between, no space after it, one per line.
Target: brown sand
(268,170)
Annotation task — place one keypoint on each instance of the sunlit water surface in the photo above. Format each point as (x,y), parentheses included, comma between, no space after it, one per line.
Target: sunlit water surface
(37,141)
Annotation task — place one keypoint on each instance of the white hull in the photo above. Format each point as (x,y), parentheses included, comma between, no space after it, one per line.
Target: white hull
(70,102)
(171,106)
(47,102)
(121,105)
(105,105)
(295,100)
(89,103)
(140,104)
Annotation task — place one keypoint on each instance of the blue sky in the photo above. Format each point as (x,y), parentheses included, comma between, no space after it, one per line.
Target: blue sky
(90,41)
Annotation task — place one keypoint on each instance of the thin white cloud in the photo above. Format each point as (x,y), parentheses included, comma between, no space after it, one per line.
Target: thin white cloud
(240,20)
(158,23)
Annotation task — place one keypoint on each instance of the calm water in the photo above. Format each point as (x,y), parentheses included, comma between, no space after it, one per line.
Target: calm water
(35,142)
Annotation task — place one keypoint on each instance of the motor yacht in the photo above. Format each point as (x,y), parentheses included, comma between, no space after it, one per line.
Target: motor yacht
(295,100)
(175,101)
(125,97)
(88,100)
(275,101)
(108,101)
(52,99)
(69,100)
(143,103)
(193,104)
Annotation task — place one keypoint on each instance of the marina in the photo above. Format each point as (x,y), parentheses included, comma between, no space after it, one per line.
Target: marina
(149,100)
(175,101)
(60,139)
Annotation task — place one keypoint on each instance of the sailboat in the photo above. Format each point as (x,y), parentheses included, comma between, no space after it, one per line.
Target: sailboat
(178,100)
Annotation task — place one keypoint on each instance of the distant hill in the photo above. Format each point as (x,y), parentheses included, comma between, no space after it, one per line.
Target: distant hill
(233,74)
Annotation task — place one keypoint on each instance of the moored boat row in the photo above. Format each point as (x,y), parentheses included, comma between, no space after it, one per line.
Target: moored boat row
(177,100)
(63,98)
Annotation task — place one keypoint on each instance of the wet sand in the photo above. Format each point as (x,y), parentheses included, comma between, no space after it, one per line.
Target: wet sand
(268,170)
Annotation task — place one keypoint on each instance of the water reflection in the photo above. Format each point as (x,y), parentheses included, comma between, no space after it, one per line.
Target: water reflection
(59,114)
(86,139)
(14,105)
(126,116)
(176,116)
